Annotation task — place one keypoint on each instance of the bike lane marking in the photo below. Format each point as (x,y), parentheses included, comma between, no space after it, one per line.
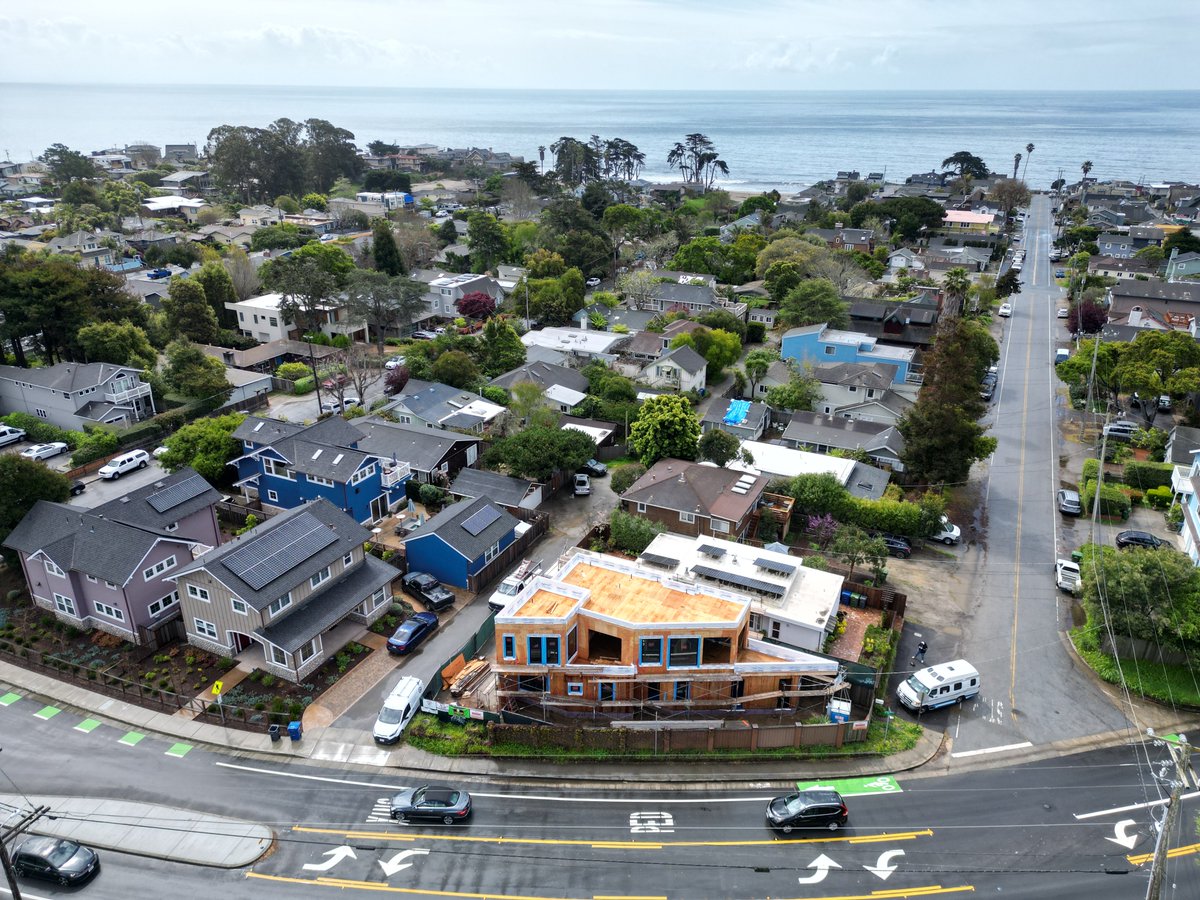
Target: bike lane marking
(855,787)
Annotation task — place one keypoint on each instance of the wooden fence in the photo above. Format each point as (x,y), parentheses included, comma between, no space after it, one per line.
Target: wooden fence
(539,524)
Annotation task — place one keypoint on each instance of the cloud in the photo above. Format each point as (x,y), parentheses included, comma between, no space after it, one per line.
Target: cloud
(884,57)
(792,58)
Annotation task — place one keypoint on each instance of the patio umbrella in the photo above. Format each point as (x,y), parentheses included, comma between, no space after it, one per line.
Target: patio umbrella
(412,507)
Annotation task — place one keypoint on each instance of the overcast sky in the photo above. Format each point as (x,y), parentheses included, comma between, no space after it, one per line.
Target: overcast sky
(611,44)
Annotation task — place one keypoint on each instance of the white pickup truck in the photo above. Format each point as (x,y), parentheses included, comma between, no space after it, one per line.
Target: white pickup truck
(514,584)
(1066,575)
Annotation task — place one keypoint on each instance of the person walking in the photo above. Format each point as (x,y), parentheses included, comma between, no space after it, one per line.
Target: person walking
(919,656)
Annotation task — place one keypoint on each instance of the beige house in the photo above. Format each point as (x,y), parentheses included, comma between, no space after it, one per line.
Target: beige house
(284,588)
(681,369)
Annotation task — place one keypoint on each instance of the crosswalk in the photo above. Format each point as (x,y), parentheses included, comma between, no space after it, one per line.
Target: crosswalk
(88,725)
(381,811)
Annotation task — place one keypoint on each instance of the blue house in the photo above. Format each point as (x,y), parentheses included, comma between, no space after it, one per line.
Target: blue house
(460,540)
(286,465)
(816,344)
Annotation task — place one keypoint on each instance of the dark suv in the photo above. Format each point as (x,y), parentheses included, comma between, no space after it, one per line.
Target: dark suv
(1138,539)
(896,545)
(427,589)
(814,808)
(55,859)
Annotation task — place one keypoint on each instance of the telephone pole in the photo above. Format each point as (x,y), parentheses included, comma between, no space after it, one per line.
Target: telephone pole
(11,832)
(1179,751)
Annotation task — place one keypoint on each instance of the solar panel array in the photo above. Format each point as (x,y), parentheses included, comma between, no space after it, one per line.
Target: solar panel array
(279,550)
(710,550)
(481,520)
(180,492)
(771,566)
(655,560)
(744,581)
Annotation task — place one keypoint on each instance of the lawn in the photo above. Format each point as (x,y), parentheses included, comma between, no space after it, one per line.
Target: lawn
(1171,685)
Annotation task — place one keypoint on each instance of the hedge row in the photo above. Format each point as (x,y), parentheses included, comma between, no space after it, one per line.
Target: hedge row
(304,385)
(39,431)
(1147,475)
(1113,502)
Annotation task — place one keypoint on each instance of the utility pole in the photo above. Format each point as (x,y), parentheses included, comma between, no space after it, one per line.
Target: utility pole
(1179,751)
(11,832)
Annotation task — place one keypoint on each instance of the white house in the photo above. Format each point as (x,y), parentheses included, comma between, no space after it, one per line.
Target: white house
(681,369)
(259,317)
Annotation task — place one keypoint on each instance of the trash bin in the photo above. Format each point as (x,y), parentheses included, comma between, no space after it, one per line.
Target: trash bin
(848,597)
(294,731)
(273,731)
(1077,555)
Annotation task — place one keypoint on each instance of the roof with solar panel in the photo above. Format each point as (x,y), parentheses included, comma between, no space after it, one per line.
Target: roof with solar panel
(697,488)
(162,502)
(282,553)
(469,527)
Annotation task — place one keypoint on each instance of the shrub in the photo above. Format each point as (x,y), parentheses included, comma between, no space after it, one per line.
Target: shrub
(755,332)
(139,433)
(496,394)
(1159,497)
(1146,475)
(268,680)
(38,431)
(631,533)
(98,444)
(625,475)
(293,371)
(1112,501)
(1091,470)
(431,495)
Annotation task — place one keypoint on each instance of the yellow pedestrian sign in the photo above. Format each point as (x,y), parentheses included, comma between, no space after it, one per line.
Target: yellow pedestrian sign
(217,686)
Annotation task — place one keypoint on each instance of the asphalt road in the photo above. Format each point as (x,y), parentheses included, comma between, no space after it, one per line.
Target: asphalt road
(1061,828)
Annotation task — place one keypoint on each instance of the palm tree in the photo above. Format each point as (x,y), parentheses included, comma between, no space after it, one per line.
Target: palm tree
(542,160)
(1086,167)
(1028,153)
(955,287)
(1016,163)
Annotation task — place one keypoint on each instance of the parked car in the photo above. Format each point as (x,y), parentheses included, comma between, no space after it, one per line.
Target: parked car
(1066,575)
(428,590)
(432,802)
(987,390)
(335,381)
(1063,312)
(55,859)
(1164,402)
(1069,503)
(1005,308)
(394,362)
(594,468)
(77,488)
(159,452)
(10,435)
(423,335)
(1120,430)
(583,485)
(44,451)
(411,632)
(126,462)
(1138,539)
(814,808)
(896,545)
(398,710)
(1060,273)
(334,405)
(948,533)
(593,282)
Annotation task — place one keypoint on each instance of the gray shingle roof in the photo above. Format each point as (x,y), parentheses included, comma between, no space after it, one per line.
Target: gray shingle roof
(346,533)
(422,448)
(265,431)
(543,376)
(69,377)
(692,487)
(329,605)
(156,505)
(505,490)
(448,526)
(322,449)
(870,375)
(686,358)
(847,434)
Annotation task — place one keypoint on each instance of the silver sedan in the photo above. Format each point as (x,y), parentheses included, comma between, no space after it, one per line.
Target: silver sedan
(44,451)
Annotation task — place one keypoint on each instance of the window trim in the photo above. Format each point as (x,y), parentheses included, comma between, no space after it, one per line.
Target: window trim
(508,646)
(348,560)
(235,602)
(319,578)
(163,604)
(683,637)
(198,593)
(574,688)
(687,518)
(279,604)
(52,568)
(205,628)
(110,612)
(65,604)
(642,660)
(606,687)
(159,567)
(274,659)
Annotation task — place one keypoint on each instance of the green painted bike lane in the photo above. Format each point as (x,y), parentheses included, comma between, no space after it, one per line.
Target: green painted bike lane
(855,787)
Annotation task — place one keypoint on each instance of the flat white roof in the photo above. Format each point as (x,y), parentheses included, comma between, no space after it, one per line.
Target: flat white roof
(584,340)
(561,394)
(596,434)
(788,463)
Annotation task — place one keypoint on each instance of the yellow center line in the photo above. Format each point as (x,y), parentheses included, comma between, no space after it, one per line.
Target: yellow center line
(1144,858)
(613,845)
(346,883)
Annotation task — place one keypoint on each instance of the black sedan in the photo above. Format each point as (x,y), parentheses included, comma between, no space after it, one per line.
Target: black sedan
(55,859)
(428,590)
(896,546)
(77,488)
(411,632)
(433,802)
(595,468)
(1138,539)
(814,808)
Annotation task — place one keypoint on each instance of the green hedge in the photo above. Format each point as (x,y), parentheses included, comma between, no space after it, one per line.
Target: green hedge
(896,516)
(1159,497)
(1147,475)
(96,444)
(1091,470)
(141,432)
(1112,501)
(39,431)
(304,385)
(293,371)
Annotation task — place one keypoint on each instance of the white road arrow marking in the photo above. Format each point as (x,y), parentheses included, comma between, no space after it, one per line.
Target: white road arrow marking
(881,868)
(336,855)
(1123,838)
(822,864)
(392,866)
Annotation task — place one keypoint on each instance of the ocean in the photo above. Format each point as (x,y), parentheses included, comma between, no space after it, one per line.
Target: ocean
(770,139)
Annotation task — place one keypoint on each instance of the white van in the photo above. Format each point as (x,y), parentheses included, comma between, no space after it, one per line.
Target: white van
(940,685)
(126,462)
(10,435)
(398,709)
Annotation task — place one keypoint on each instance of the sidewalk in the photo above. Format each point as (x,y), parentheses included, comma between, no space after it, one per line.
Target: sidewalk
(147,829)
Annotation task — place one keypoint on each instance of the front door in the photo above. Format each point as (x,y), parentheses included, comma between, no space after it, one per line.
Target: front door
(240,641)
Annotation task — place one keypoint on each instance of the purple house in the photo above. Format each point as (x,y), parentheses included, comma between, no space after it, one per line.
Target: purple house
(103,568)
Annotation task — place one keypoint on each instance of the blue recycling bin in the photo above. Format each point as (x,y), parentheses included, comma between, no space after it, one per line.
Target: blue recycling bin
(294,731)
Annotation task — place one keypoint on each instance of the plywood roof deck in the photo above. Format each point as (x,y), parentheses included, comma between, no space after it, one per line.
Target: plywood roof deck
(642,600)
(746,655)
(546,604)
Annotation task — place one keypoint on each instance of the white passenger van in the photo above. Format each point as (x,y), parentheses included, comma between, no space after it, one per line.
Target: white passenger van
(940,685)
(398,709)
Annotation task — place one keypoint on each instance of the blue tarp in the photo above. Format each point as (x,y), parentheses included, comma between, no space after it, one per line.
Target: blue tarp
(737,411)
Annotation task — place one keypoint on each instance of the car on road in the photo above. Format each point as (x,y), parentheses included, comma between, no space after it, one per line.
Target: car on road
(583,485)
(394,362)
(987,390)
(126,462)
(896,545)
(1066,575)
(1004,310)
(44,451)
(398,710)
(334,405)
(428,590)
(55,859)
(948,533)
(1063,312)
(77,488)
(432,802)
(1069,503)
(411,632)
(813,808)
(594,468)
(10,435)
(1138,539)
(1164,402)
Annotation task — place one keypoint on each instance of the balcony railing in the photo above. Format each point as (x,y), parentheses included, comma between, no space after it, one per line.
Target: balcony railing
(394,474)
(139,390)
